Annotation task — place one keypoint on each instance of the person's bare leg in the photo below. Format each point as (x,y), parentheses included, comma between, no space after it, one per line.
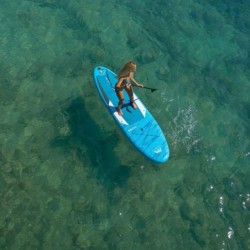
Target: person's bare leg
(130,92)
(121,100)
(119,108)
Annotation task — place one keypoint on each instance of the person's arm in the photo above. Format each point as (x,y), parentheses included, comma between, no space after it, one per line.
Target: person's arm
(136,83)
(131,77)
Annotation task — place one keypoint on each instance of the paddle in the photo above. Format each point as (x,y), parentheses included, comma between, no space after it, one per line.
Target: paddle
(152,90)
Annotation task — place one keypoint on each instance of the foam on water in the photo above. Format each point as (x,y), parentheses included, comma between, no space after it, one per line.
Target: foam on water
(184,129)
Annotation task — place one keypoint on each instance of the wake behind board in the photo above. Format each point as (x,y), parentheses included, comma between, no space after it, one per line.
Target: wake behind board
(137,124)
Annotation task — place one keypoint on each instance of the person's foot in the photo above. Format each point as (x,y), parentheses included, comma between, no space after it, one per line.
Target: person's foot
(119,111)
(132,103)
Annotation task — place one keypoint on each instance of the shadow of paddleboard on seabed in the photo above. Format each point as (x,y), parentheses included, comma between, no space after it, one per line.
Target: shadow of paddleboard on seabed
(87,140)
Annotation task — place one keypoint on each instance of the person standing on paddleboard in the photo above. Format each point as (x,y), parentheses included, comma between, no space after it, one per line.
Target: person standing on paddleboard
(125,80)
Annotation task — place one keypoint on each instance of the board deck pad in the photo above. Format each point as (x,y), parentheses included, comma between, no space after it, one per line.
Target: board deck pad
(138,124)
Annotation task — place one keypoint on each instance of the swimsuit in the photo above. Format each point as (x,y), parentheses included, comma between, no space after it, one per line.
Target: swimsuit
(124,83)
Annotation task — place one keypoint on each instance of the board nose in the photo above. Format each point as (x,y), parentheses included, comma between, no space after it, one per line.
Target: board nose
(100,70)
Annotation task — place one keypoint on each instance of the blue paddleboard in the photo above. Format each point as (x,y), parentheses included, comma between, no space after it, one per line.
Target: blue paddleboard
(137,124)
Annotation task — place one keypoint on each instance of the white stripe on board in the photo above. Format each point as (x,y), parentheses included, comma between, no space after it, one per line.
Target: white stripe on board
(140,105)
(118,117)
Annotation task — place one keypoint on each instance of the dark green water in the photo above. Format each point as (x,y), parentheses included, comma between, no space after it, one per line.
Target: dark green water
(70,179)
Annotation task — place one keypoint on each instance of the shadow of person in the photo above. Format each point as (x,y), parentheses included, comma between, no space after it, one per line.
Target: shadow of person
(88,141)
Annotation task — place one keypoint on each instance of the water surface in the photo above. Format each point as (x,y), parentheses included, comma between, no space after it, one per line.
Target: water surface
(70,179)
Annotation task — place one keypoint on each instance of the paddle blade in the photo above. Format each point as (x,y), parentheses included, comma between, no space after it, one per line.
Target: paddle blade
(153,90)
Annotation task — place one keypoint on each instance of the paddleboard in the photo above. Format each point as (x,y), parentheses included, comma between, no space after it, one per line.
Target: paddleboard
(137,124)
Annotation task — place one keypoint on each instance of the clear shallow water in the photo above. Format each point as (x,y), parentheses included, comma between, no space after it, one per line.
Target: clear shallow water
(70,179)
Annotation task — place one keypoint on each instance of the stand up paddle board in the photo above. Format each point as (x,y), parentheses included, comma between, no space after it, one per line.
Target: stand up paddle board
(137,124)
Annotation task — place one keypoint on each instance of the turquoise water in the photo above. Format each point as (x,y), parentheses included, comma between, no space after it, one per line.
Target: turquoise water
(70,179)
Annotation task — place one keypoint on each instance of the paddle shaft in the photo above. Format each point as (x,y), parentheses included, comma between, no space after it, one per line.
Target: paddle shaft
(152,90)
